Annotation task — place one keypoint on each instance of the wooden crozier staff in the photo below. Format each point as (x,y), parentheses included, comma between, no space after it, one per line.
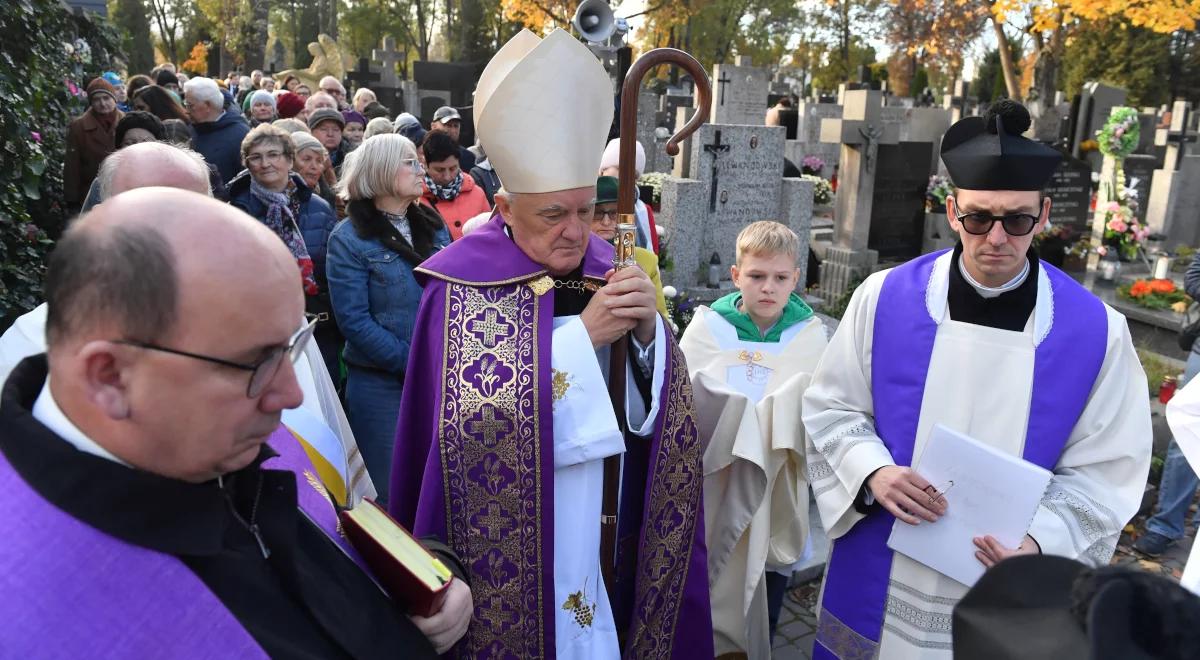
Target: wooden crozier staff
(626,227)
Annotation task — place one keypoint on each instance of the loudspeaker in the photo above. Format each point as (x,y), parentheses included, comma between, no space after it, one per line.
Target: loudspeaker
(594,21)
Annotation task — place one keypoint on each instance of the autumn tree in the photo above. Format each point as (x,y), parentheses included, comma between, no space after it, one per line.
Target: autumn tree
(1116,53)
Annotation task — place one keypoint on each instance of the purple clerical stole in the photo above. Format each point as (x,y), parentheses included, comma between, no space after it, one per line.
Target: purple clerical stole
(73,591)
(1066,364)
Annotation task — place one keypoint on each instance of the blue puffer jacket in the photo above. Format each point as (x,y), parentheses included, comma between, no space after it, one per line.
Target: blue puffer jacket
(316,219)
(220,142)
(375,295)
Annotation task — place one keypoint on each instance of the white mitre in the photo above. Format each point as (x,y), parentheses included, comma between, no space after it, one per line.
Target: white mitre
(543,108)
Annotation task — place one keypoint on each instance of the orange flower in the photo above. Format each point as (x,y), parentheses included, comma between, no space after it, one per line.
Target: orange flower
(1139,288)
(1162,286)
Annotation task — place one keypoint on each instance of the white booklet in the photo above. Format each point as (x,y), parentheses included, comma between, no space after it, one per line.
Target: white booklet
(987,492)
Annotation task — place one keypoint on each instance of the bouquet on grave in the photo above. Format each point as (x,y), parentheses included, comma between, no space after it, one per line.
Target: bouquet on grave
(680,308)
(1155,294)
(653,181)
(939,188)
(812,165)
(822,191)
(1122,229)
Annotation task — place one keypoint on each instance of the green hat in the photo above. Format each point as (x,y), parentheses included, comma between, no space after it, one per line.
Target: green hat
(606,189)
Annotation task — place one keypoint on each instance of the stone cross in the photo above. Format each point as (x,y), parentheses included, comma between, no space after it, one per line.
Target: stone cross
(716,149)
(389,56)
(956,100)
(1177,137)
(721,82)
(363,76)
(859,131)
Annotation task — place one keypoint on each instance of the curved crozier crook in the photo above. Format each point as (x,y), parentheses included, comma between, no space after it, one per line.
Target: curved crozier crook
(629,104)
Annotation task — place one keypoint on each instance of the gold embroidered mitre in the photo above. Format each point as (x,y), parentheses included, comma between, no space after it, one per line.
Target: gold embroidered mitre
(543,108)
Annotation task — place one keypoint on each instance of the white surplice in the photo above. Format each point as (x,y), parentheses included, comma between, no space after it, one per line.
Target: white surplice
(1183,416)
(979,383)
(755,488)
(585,433)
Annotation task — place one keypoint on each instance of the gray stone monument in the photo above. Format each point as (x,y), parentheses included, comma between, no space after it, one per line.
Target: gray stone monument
(859,133)
(1096,101)
(388,86)
(1175,189)
(739,94)
(734,181)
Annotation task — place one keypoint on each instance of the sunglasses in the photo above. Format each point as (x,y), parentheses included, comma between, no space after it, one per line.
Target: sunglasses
(980,223)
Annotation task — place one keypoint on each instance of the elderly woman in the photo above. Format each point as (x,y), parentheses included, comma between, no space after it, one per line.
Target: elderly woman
(262,108)
(269,191)
(310,164)
(372,255)
(377,126)
(455,195)
(89,139)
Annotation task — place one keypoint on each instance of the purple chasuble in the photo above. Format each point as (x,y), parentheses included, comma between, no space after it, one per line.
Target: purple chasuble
(72,591)
(1066,364)
(474,462)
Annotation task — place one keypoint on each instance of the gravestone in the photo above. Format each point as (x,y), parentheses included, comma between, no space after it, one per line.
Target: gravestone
(895,119)
(1171,207)
(363,76)
(957,100)
(388,88)
(898,200)
(808,135)
(410,98)
(733,182)
(789,119)
(1096,101)
(740,94)
(278,57)
(1139,173)
(648,122)
(454,85)
(1070,193)
(860,132)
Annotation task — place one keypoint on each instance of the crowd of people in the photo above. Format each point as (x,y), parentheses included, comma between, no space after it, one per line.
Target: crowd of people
(188,424)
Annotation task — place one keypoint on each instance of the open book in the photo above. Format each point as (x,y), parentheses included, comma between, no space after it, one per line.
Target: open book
(404,568)
(987,491)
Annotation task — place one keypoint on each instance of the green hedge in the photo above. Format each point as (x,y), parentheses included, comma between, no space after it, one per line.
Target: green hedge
(46,56)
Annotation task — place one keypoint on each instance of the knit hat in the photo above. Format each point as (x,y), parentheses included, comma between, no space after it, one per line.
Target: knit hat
(302,141)
(288,105)
(262,96)
(612,156)
(323,114)
(142,120)
(350,116)
(100,86)
(165,78)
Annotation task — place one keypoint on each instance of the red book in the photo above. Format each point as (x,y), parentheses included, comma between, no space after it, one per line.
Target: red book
(403,567)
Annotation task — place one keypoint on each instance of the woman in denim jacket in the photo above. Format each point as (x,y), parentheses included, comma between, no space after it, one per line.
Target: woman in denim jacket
(372,254)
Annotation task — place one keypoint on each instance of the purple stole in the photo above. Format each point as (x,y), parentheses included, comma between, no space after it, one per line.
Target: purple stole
(1066,364)
(72,591)
(474,462)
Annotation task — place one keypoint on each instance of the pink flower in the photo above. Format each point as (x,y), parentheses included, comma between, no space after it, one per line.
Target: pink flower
(1113,206)
(1119,132)
(1118,226)
(72,88)
(1102,250)
(37,137)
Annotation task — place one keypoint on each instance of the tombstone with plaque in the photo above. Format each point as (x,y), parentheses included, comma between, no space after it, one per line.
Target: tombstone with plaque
(740,93)
(1070,193)
(860,132)
(1096,102)
(734,181)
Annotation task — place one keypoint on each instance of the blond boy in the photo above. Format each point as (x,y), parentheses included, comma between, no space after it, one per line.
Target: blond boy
(751,356)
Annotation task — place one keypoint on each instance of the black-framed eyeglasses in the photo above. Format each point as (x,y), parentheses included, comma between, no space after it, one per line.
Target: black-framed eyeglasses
(263,371)
(602,216)
(980,223)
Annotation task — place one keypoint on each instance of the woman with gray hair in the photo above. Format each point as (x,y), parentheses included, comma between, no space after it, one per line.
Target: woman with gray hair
(372,255)
(309,163)
(377,126)
(269,191)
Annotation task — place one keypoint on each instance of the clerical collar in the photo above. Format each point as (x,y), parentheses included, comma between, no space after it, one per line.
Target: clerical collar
(46,411)
(992,291)
(1007,310)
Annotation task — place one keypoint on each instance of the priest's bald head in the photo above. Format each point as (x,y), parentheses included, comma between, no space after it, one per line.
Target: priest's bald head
(160,303)
(543,108)
(998,207)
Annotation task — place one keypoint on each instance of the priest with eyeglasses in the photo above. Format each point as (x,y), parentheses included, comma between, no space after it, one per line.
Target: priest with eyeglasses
(993,343)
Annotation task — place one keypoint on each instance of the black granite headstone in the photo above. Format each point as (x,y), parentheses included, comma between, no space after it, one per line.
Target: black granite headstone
(1070,192)
(898,201)
(1139,170)
(789,119)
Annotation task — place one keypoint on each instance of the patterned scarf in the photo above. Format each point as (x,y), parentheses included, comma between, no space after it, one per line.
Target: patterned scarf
(282,210)
(447,192)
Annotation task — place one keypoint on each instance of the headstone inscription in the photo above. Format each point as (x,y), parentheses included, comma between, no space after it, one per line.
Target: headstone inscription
(741,94)
(735,180)
(898,200)
(1070,193)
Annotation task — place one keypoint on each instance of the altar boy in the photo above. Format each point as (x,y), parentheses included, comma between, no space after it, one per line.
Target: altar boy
(750,357)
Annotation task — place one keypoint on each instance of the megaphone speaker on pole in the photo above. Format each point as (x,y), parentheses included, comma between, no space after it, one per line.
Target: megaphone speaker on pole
(594,21)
